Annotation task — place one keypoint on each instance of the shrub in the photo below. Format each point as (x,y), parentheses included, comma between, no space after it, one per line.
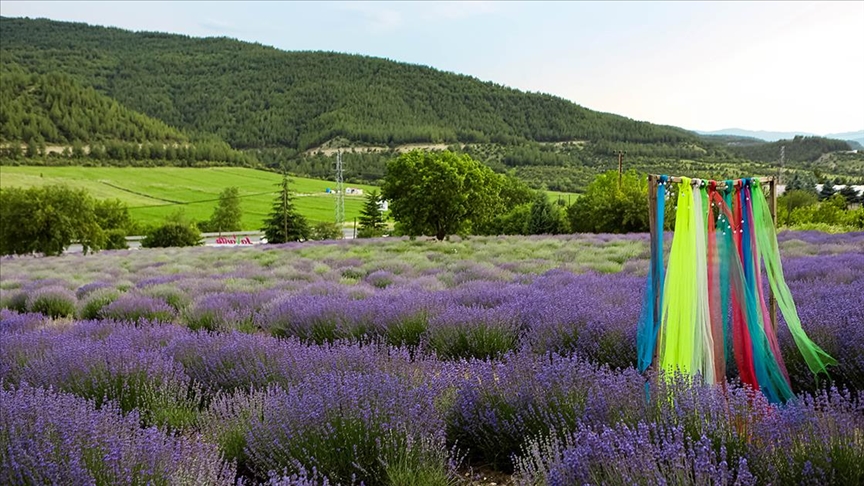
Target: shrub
(500,405)
(135,307)
(96,301)
(473,332)
(52,302)
(13,299)
(353,428)
(115,239)
(114,365)
(58,438)
(325,230)
(172,234)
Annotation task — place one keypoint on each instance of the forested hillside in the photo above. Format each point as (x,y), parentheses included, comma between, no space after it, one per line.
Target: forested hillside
(256,96)
(70,83)
(799,149)
(54,108)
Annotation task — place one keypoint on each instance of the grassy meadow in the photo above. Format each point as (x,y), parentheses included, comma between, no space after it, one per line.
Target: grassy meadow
(152,193)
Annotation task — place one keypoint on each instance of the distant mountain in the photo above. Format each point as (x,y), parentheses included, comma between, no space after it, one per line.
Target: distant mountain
(798,149)
(768,136)
(857,137)
(764,135)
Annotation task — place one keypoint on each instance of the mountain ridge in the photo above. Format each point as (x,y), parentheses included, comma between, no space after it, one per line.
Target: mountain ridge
(774,136)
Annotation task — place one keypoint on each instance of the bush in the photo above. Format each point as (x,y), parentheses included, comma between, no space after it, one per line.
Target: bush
(325,231)
(115,239)
(473,332)
(370,428)
(136,308)
(96,301)
(172,234)
(58,438)
(52,302)
(14,299)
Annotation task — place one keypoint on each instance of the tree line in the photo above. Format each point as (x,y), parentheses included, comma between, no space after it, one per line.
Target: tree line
(119,153)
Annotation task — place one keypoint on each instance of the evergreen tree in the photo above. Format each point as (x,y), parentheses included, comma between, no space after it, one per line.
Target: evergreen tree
(371,223)
(850,194)
(544,218)
(827,190)
(226,216)
(285,223)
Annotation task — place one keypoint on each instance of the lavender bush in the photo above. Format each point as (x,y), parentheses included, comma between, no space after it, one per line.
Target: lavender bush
(52,301)
(57,438)
(135,307)
(500,405)
(816,440)
(353,428)
(404,356)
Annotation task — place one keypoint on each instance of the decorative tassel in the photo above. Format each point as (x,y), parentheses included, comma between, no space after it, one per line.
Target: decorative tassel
(711,302)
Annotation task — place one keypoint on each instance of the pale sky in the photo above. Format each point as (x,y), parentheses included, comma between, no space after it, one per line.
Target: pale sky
(796,66)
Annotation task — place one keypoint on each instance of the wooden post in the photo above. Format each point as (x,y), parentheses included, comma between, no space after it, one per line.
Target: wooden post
(772,207)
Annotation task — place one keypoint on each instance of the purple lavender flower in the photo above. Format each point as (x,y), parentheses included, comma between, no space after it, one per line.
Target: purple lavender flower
(136,307)
(347,427)
(52,301)
(58,438)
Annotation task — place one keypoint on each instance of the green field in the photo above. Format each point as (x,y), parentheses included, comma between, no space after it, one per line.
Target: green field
(153,193)
(567,197)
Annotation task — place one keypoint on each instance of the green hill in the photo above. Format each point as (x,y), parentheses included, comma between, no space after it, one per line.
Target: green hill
(799,149)
(54,108)
(256,96)
(287,108)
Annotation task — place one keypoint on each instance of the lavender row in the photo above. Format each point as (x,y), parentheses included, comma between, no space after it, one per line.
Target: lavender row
(591,315)
(285,411)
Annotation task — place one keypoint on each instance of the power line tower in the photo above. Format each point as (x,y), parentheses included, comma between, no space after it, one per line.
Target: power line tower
(340,191)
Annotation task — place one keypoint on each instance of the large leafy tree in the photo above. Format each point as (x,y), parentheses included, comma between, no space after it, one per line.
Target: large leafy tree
(440,193)
(226,216)
(284,223)
(47,220)
(371,218)
(607,208)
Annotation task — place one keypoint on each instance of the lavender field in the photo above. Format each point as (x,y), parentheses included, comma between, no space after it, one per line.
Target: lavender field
(401,362)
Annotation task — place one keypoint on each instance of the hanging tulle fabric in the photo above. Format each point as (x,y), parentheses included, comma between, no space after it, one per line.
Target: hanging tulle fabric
(709,303)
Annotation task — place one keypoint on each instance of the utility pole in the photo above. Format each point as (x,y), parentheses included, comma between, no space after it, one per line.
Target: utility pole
(620,166)
(782,161)
(285,207)
(340,192)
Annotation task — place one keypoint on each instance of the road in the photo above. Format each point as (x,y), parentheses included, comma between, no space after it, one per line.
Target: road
(213,239)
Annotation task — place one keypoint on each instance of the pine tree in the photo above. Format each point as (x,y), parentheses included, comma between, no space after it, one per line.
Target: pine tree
(371,220)
(285,223)
(544,218)
(849,193)
(827,190)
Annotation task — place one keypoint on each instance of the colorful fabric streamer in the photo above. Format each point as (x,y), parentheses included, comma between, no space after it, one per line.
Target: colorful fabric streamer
(710,302)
